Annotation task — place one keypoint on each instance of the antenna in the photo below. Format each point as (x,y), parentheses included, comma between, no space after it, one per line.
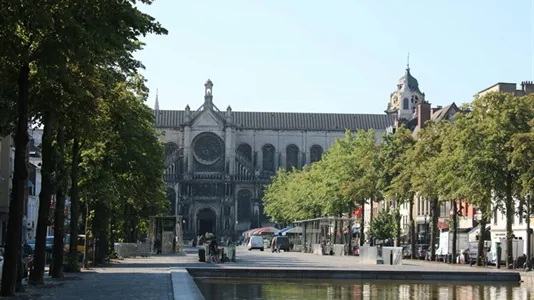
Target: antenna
(408,58)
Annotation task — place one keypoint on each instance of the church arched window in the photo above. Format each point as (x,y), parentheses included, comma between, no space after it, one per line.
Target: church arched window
(268,158)
(316,153)
(292,156)
(244,208)
(405,103)
(245,150)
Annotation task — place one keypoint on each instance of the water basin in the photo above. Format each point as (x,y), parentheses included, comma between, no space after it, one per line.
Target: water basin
(269,289)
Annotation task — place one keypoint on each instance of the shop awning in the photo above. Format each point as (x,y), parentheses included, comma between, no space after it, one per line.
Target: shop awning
(283,230)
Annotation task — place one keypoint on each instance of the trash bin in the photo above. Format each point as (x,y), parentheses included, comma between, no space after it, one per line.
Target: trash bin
(201,255)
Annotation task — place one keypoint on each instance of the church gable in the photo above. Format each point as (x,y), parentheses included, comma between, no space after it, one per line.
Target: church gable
(207,118)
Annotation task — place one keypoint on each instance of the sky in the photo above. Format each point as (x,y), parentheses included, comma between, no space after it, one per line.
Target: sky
(333,56)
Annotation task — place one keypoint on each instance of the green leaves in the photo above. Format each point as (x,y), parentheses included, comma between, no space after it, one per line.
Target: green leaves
(383,226)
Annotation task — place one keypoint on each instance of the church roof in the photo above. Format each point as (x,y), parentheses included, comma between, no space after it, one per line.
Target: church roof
(413,85)
(288,121)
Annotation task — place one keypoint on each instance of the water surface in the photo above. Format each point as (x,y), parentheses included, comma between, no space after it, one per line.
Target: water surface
(270,289)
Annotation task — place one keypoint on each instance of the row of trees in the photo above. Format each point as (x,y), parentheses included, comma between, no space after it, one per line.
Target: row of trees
(483,157)
(68,67)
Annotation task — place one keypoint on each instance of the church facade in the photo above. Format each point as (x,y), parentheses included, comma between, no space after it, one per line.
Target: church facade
(219,162)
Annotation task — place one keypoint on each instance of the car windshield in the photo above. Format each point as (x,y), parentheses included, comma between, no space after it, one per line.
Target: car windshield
(50,240)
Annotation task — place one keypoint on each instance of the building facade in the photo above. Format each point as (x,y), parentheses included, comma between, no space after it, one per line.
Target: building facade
(218,162)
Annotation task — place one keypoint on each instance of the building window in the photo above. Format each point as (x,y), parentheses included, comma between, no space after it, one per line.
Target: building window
(171,197)
(268,158)
(405,103)
(245,150)
(170,148)
(316,153)
(292,157)
(495,217)
(244,208)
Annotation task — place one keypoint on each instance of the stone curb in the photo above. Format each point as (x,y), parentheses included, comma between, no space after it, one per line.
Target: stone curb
(183,286)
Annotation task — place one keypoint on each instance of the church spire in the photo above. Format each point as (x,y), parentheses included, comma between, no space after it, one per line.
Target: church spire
(156,106)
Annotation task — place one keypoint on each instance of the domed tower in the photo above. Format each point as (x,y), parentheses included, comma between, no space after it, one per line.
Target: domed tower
(403,101)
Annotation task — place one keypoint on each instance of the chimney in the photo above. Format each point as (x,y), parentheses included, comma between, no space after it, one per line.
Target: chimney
(527,87)
(423,114)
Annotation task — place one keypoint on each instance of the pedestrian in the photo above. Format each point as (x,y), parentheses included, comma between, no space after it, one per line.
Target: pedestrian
(213,248)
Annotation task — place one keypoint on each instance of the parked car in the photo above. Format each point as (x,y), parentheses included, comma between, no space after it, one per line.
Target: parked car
(80,244)
(49,244)
(282,242)
(421,251)
(256,242)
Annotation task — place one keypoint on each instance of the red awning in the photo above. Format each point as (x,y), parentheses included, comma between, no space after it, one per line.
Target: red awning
(443,225)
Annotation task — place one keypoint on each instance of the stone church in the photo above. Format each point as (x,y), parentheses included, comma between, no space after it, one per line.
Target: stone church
(218,162)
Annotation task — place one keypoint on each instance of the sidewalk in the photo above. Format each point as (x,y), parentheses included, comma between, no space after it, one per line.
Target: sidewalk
(132,278)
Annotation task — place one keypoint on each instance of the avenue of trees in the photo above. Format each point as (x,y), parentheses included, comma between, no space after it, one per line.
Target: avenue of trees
(483,155)
(68,67)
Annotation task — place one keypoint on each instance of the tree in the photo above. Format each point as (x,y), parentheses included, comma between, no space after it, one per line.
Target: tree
(392,155)
(428,169)
(383,226)
(499,117)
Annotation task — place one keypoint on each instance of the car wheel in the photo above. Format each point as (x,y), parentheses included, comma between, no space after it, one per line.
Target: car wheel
(249,249)
(261,249)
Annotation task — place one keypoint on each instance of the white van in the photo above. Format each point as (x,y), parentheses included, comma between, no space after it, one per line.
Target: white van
(255,242)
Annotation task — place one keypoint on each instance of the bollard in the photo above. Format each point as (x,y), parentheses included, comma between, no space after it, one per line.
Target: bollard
(391,257)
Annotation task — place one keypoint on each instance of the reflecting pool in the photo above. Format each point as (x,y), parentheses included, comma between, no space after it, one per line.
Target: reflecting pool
(270,289)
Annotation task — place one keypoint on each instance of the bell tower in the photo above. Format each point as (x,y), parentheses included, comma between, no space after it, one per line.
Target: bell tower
(403,101)
(208,94)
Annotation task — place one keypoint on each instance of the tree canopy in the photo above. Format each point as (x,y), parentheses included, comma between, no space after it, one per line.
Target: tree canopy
(69,67)
(481,155)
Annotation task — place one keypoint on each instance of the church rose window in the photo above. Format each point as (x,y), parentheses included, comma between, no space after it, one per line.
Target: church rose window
(208,149)
(316,153)
(292,157)
(268,158)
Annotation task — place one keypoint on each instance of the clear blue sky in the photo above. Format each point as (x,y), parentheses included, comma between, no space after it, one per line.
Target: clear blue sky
(333,56)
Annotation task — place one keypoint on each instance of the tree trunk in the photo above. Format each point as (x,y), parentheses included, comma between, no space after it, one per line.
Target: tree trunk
(371,240)
(47,172)
(12,255)
(335,232)
(398,219)
(74,207)
(434,231)
(480,255)
(412,229)
(510,216)
(362,225)
(87,237)
(59,230)
(100,224)
(454,228)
